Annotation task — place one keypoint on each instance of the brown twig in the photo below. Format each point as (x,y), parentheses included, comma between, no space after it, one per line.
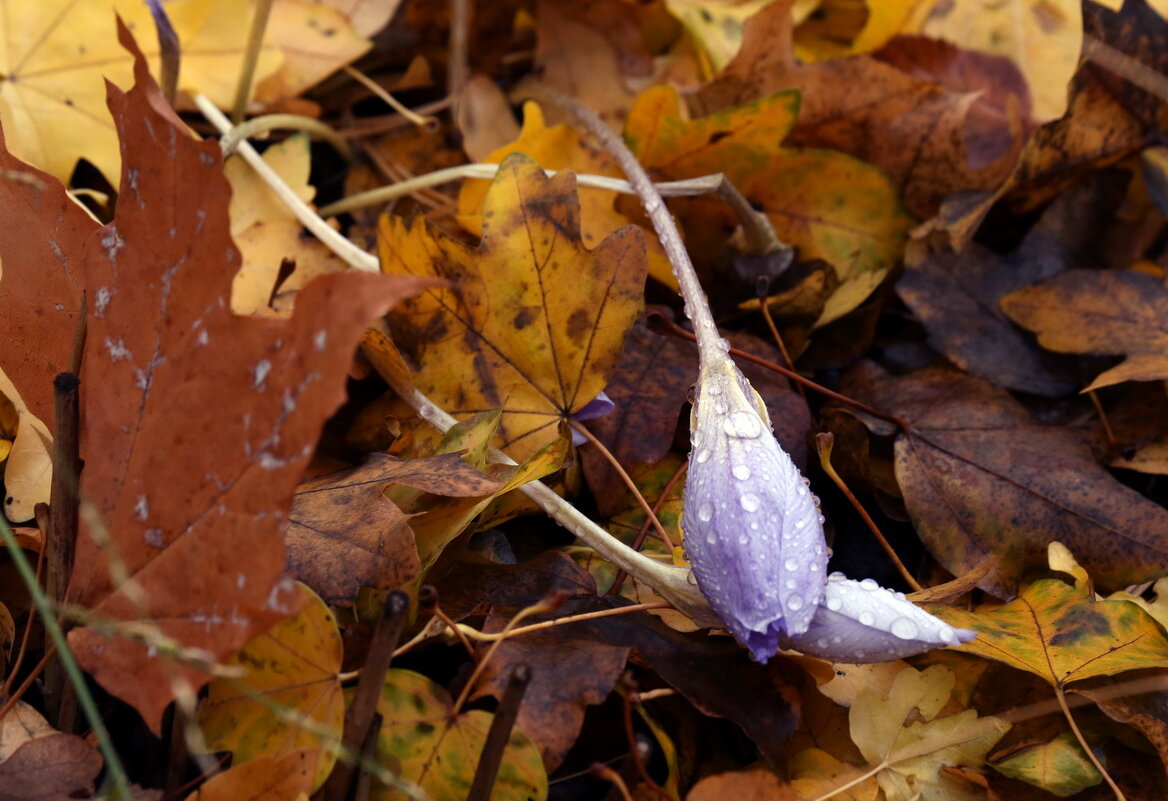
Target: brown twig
(60,703)
(628,482)
(359,717)
(661,323)
(823,444)
(763,286)
(621,574)
(498,735)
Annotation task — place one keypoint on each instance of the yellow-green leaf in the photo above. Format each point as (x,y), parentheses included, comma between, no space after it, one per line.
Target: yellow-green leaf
(420,743)
(1062,633)
(294,666)
(1059,767)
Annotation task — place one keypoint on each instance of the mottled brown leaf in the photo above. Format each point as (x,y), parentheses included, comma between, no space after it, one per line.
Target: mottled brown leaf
(344,534)
(980,478)
(50,768)
(1089,311)
(956,295)
(916,130)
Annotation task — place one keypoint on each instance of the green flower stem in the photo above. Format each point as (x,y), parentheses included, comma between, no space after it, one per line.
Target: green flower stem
(117,774)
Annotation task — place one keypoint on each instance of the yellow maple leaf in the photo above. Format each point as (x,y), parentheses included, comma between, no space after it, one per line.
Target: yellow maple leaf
(532,321)
(267,232)
(560,147)
(57,53)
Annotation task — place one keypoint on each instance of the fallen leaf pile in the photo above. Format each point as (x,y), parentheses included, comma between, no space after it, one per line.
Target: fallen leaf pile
(938,255)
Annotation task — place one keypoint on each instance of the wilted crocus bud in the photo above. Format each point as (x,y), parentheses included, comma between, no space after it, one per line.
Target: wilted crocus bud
(752,527)
(860,621)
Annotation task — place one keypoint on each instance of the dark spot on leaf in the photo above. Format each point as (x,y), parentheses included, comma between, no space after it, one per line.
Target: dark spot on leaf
(1079,625)
(579,324)
(424,727)
(525,317)
(717,136)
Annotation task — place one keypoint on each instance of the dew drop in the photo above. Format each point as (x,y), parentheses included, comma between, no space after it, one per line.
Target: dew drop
(870,585)
(790,583)
(740,471)
(712,538)
(800,523)
(721,407)
(837,639)
(834,604)
(791,564)
(821,519)
(742,424)
(867,618)
(801,489)
(705,512)
(715,388)
(743,540)
(904,628)
(794,603)
(724,344)
(750,502)
(947,635)
(754,525)
(703,456)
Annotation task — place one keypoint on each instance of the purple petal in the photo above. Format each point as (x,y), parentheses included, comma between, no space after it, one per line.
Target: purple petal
(860,621)
(597,407)
(752,527)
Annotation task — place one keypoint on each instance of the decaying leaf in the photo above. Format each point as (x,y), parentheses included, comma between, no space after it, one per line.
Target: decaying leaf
(39,763)
(828,205)
(1058,766)
(967,441)
(294,666)
(197,422)
(344,534)
(421,743)
(1061,633)
(559,147)
(539,318)
(1089,311)
(915,130)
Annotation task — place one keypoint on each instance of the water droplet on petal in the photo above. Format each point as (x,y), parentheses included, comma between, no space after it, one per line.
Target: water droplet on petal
(801,489)
(869,584)
(791,584)
(740,471)
(750,502)
(744,540)
(834,604)
(712,538)
(791,563)
(794,603)
(904,628)
(721,407)
(705,512)
(742,424)
(715,388)
(867,618)
(947,635)
(800,523)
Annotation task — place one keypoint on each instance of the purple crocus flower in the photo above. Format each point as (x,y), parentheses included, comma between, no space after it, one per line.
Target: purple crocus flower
(753,532)
(597,407)
(860,621)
